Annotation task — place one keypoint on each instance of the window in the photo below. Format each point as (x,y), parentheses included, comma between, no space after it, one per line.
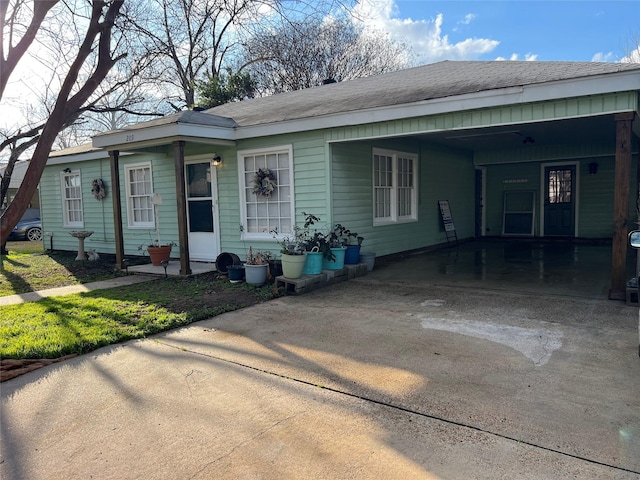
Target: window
(72,199)
(394,187)
(262,214)
(139,196)
(560,184)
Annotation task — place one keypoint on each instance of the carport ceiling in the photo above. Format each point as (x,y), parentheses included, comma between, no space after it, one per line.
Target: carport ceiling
(596,130)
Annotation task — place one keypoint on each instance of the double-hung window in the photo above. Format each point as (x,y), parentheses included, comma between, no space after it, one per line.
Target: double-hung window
(139,187)
(395,189)
(266,202)
(72,199)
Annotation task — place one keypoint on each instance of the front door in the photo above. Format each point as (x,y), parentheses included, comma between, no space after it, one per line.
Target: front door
(201,195)
(559,200)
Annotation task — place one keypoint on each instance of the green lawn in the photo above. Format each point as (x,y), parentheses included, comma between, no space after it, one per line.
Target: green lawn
(28,268)
(78,323)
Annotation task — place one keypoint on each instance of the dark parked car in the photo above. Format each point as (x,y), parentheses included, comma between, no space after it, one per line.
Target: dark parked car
(27,230)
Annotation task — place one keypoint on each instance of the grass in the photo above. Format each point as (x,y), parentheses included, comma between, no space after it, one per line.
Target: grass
(79,323)
(28,268)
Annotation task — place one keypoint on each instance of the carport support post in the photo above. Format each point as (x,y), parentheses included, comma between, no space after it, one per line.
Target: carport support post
(114,156)
(621,205)
(181,200)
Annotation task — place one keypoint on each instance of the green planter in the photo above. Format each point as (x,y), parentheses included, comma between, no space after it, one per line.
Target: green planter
(292,265)
(338,263)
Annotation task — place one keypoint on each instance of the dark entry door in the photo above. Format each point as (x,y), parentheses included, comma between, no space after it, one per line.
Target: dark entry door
(559,200)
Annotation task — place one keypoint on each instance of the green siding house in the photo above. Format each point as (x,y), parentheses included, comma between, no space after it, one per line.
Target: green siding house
(521,149)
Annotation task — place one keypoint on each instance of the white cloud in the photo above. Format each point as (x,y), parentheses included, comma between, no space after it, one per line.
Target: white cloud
(529,57)
(468,18)
(633,57)
(425,37)
(603,57)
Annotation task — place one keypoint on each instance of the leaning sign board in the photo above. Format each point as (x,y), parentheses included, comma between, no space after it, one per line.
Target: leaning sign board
(447,220)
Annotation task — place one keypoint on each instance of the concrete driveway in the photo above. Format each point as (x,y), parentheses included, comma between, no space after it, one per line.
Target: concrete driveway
(391,375)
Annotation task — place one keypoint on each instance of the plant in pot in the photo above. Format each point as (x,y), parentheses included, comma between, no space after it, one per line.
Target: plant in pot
(256,267)
(292,253)
(334,250)
(158,252)
(351,241)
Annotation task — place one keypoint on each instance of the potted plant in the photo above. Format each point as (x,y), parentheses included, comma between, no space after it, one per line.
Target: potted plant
(256,267)
(351,241)
(292,254)
(158,252)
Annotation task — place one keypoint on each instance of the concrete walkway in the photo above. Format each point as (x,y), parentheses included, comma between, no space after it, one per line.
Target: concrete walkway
(385,376)
(86,287)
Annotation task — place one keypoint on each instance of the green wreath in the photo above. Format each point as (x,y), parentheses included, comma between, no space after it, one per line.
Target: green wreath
(264,182)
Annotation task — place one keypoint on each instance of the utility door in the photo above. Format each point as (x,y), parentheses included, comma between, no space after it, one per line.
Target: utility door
(559,200)
(201,211)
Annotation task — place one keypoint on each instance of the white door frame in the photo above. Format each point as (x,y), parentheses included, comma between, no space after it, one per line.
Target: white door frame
(214,244)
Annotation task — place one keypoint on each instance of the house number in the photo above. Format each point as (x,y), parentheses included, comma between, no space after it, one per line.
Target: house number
(130,138)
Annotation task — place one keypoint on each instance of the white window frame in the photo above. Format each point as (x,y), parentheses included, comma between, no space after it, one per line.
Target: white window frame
(66,201)
(131,222)
(395,190)
(245,185)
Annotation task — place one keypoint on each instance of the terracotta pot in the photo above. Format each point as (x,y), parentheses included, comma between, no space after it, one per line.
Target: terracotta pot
(159,254)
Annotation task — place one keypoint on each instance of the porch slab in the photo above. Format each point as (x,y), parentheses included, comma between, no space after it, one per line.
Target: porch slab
(173,268)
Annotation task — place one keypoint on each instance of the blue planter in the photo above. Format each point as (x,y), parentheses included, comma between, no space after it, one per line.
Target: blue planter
(352,255)
(313,264)
(336,264)
(236,273)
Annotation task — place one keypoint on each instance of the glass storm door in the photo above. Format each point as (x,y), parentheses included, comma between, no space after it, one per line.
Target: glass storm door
(559,201)
(203,244)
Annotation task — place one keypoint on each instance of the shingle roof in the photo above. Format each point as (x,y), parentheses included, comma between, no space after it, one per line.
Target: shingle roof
(426,82)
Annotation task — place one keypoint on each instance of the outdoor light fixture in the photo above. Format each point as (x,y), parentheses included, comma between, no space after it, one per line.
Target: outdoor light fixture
(593,168)
(217,160)
(67,170)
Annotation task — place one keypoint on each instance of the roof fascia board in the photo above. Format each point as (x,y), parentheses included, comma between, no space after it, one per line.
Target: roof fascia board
(602,84)
(158,135)
(79,157)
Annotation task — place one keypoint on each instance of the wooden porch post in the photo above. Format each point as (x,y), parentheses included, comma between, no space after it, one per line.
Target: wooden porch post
(114,156)
(621,205)
(181,200)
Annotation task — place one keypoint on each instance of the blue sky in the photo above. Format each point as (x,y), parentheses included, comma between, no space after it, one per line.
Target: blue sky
(510,29)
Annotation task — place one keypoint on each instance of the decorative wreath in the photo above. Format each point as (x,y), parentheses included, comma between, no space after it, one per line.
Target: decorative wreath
(264,182)
(98,189)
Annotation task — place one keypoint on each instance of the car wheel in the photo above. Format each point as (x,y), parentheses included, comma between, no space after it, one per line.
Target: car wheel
(34,234)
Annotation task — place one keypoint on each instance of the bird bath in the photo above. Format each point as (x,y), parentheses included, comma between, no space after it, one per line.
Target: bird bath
(81,235)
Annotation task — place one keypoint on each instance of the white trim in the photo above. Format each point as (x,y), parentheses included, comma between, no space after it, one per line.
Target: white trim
(241,154)
(395,219)
(576,194)
(130,222)
(65,212)
(134,138)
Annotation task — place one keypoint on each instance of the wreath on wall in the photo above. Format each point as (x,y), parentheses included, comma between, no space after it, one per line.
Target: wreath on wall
(98,189)
(264,182)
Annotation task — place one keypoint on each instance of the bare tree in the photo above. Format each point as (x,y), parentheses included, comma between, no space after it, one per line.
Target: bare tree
(95,54)
(305,54)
